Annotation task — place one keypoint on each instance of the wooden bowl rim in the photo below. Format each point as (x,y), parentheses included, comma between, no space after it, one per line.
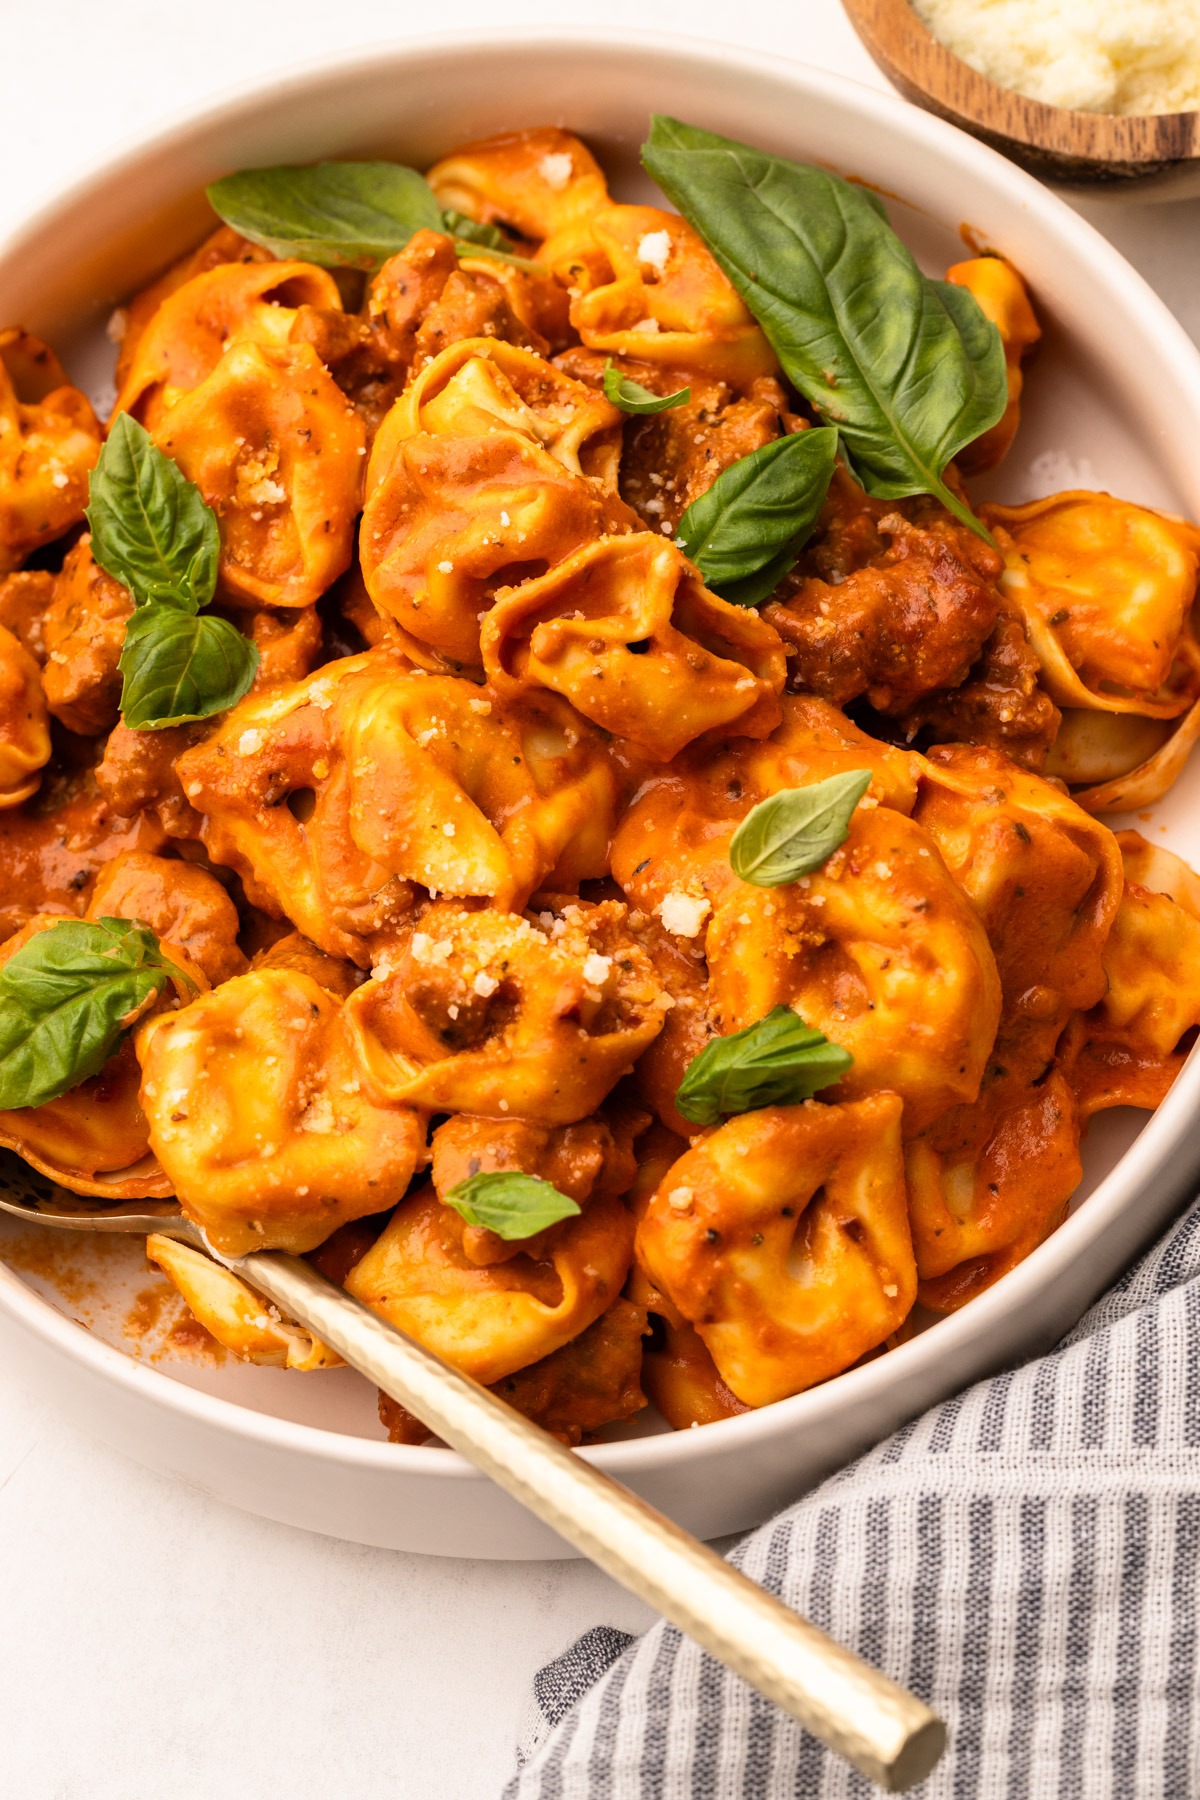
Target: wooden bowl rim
(960,92)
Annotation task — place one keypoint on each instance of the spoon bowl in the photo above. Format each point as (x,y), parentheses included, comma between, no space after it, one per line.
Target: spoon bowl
(44,1204)
(1152,156)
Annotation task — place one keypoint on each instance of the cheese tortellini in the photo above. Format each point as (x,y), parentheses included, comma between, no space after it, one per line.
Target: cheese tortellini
(264,1114)
(494,1013)
(49,441)
(627,632)
(783,1238)
(333,796)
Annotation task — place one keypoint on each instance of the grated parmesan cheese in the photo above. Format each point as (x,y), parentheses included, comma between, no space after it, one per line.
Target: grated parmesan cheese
(682,914)
(318,1117)
(1103,56)
(556,169)
(654,249)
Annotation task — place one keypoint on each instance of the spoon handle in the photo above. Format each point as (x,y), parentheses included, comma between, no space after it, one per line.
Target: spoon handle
(887,1733)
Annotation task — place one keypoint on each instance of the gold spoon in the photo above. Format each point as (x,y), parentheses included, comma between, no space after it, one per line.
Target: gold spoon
(887,1733)
(1158,153)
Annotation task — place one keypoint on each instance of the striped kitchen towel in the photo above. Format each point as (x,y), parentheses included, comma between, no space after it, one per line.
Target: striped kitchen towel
(1024,1557)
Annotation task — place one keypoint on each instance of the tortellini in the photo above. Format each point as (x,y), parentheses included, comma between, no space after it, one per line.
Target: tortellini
(450,521)
(494,1013)
(1003,298)
(666,301)
(783,1238)
(95,1138)
(480,386)
(627,632)
(231,1312)
(674,836)
(49,441)
(1129,1047)
(264,1114)
(491,1320)
(880,950)
(1045,879)
(333,796)
(492,467)
(987,1183)
(1105,589)
(543,184)
(190,332)
(277,452)
(24,722)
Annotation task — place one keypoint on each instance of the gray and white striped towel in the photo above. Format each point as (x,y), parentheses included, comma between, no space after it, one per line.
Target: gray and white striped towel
(1024,1557)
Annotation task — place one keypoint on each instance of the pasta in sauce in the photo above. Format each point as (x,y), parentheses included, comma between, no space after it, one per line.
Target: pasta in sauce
(456,888)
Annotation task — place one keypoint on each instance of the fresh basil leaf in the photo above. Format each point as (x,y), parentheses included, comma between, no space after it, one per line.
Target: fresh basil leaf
(336,214)
(470,231)
(747,530)
(632,397)
(66,998)
(180,666)
(793,832)
(151,530)
(778,1062)
(754,589)
(908,369)
(509,1203)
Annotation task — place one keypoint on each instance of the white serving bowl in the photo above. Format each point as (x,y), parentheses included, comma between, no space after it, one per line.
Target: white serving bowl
(1113,402)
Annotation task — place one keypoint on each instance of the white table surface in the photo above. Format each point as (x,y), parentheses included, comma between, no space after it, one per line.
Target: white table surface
(154,1643)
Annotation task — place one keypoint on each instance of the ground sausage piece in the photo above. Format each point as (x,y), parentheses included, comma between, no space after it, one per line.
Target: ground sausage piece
(405,289)
(670,458)
(137,776)
(181,903)
(1000,704)
(910,619)
(84,630)
(357,356)
(471,306)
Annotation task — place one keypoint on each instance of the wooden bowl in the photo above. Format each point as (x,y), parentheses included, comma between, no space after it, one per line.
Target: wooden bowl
(1158,155)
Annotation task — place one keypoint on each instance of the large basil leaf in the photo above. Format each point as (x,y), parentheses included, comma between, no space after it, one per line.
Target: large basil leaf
(66,998)
(336,214)
(632,397)
(747,530)
(509,1203)
(180,666)
(908,369)
(778,1062)
(151,530)
(793,832)
(344,215)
